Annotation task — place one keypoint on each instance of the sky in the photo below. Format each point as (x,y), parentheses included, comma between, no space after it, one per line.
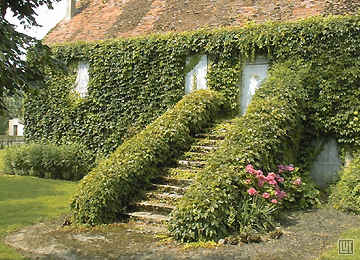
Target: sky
(47,18)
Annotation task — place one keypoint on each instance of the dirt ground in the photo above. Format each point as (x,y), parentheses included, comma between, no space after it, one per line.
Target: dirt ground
(305,236)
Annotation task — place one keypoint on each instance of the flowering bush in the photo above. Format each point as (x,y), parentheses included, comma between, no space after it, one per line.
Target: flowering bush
(283,188)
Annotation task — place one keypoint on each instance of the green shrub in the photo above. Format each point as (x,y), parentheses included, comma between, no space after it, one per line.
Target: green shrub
(345,195)
(219,203)
(119,179)
(67,162)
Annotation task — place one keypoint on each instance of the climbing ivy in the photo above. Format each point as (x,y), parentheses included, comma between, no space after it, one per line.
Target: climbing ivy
(135,80)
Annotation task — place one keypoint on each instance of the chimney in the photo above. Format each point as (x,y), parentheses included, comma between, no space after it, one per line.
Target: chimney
(70,10)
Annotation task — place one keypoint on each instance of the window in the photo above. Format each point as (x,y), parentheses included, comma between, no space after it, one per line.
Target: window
(196,78)
(15,131)
(253,75)
(82,79)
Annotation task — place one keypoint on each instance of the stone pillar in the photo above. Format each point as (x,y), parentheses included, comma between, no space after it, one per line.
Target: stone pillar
(70,10)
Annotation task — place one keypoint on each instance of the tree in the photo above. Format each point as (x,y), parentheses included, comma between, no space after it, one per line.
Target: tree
(16,73)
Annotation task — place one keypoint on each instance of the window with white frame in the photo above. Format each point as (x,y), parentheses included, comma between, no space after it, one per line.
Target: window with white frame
(196,78)
(82,79)
(253,75)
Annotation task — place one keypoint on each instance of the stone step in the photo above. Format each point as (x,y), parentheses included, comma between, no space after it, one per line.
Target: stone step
(169,189)
(185,163)
(210,136)
(206,142)
(182,174)
(163,197)
(195,156)
(170,180)
(203,148)
(148,217)
(155,207)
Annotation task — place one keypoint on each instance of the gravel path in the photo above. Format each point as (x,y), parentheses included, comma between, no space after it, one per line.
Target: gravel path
(305,236)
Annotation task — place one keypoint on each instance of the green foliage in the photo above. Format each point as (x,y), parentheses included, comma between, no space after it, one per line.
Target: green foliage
(67,162)
(133,81)
(16,73)
(118,180)
(218,203)
(24,10)
(345,195)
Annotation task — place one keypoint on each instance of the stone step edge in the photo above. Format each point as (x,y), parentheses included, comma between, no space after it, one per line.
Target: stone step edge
(148,216)
(205,140)
(171,187)
(191,163)
(164,195)
(209,136)
(203,147)
(155,206)
(177,180)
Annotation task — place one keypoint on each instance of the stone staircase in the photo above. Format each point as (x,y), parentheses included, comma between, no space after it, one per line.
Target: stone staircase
(167,190)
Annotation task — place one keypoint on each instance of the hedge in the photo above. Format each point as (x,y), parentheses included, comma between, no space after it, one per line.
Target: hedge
(119,179)
(66,162)
(269,134)
(345,195)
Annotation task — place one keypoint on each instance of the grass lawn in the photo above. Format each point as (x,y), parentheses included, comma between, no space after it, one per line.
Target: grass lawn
(1,161)
(333,253)
(26,200)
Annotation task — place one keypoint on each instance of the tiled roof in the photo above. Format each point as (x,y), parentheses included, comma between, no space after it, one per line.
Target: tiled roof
(105,19)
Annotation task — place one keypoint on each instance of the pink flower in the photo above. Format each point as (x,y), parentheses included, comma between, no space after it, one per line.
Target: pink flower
(271,176)
(272,182)
(279,179)
(252,191)
(281,167)
(280,194)
(261,182)
(289,168)
(266,195)
(297,182)
(274,201)
(249,168)
(257,173)
(248,181)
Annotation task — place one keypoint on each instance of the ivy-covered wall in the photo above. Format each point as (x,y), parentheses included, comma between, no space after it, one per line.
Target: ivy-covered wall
(133,81)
